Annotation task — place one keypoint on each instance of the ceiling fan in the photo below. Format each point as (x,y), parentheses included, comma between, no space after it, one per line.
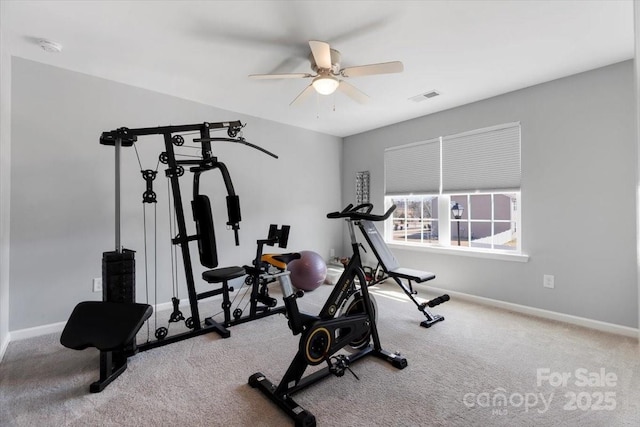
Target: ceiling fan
(325,63)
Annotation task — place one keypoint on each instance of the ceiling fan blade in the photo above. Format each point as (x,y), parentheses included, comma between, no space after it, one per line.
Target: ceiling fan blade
(321,53)
(372,69)
(353,93)
(303,95)
(280,76)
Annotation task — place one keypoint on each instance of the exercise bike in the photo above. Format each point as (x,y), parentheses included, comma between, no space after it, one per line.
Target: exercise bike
(346,321)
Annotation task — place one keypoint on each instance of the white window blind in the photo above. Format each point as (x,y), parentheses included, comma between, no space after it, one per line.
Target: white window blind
(413,168)
(482,160)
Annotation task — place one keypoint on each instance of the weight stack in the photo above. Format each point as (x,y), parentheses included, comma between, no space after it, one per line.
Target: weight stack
(119,276)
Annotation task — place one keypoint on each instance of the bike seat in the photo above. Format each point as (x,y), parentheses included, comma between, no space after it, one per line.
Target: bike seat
(280,260)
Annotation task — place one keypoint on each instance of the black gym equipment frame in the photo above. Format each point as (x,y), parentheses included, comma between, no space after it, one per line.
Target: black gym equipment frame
(339,324)
(119,265)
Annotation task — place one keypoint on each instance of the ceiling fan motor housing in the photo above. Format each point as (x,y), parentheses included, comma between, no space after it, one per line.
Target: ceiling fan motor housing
(335,63)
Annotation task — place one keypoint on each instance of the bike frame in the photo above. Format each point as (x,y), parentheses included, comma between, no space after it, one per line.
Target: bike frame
(324,335)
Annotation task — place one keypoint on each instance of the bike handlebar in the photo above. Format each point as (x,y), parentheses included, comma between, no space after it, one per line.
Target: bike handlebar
(354,213)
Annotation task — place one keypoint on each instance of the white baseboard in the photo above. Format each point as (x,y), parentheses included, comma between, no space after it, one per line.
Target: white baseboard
(169,305)
(3,346)
(546,314)
(538,312)
(22,334)
(51,328)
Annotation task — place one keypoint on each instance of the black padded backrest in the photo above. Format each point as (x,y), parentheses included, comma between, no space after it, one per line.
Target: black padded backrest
(206,234)
(378,245)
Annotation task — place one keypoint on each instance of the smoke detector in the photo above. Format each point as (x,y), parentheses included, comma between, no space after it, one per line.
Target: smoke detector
(50,46)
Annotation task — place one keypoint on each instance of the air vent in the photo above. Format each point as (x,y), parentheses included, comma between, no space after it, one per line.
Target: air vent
(425,96)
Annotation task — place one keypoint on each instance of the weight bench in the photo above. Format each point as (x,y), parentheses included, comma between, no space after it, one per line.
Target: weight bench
(111,327)
(393,270)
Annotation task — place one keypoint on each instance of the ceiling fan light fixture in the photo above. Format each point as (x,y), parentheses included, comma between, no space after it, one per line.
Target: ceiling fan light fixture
(325,85)
(325,62)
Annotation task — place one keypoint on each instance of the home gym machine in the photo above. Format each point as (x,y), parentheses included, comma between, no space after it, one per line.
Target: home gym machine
(118,265)
(346,321)
(111,325)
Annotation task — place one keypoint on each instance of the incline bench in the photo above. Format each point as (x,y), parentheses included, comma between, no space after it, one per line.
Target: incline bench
(393,270)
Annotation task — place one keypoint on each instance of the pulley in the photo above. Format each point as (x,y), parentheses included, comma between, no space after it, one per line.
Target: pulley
(177,140)
(161,333)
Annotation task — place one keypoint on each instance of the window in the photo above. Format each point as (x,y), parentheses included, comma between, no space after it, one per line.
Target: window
(489,221)
(415,219)
(477,171)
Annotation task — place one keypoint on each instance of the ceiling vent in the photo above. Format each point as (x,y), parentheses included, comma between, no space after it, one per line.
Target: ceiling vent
(425,96)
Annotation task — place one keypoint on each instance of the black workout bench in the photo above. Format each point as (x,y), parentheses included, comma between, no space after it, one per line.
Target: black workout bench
(111,327)
(392,268)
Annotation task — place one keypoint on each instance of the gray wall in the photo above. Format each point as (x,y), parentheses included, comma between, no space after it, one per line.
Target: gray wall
(578,194)
(5,167)
(578,190)
(62,195)
(636,69)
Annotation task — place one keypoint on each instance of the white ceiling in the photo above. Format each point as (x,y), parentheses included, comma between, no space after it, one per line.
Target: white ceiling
(204,50)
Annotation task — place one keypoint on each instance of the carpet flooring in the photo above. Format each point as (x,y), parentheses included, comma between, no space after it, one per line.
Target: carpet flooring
(482,366)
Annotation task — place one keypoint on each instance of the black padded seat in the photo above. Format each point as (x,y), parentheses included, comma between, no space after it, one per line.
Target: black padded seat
(410,274)
(110,327)
(105,325)
(224,274)
(221,275)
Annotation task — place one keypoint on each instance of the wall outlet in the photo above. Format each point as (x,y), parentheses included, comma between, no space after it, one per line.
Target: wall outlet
(97,284)
(548,281)
(332,253)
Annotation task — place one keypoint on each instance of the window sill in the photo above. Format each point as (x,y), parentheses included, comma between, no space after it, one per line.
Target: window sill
(452,250)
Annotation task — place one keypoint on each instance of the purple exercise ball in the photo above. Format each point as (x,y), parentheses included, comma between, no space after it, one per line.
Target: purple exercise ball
(308,272)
